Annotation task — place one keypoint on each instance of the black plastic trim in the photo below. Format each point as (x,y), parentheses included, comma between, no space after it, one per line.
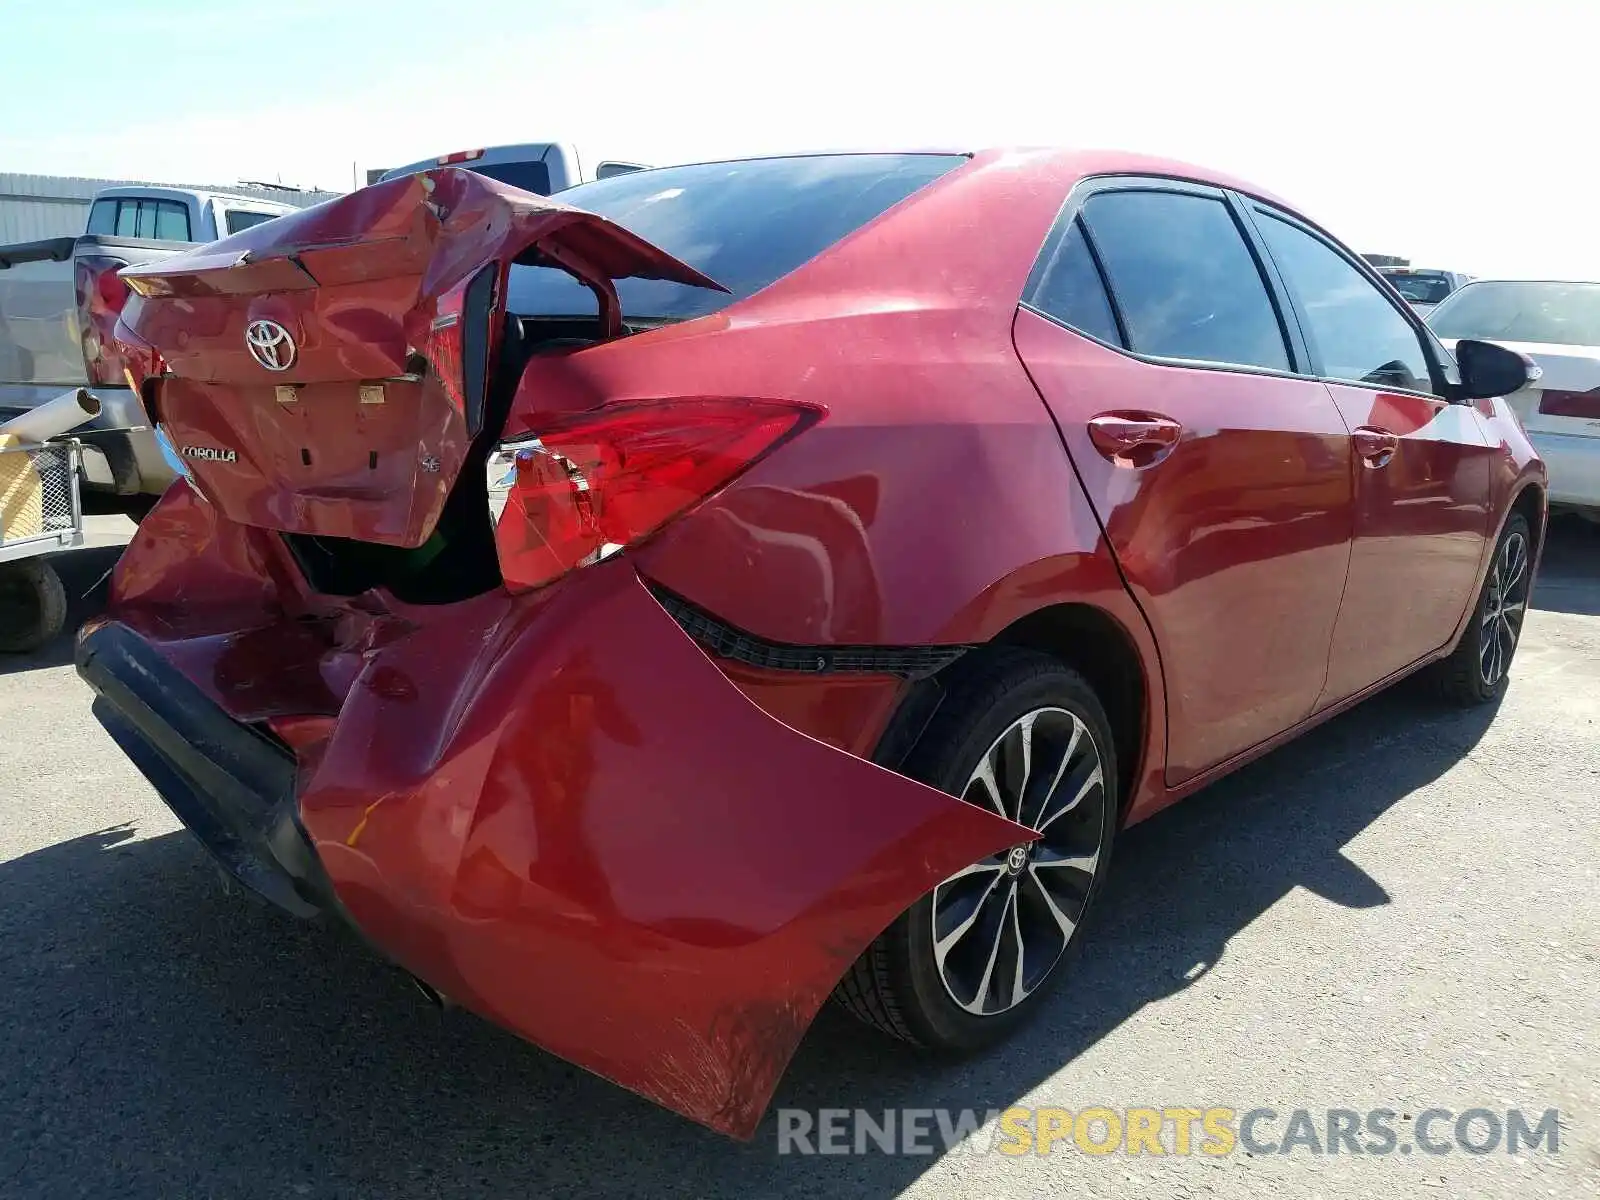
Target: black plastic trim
(230,785)
(911,719)
(717,637)
(476,309)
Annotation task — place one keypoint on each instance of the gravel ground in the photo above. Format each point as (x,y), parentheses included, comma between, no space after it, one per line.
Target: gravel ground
(1399,911)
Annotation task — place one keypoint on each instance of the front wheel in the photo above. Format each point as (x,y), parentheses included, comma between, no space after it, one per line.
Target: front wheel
(1023,734)
(1477,669)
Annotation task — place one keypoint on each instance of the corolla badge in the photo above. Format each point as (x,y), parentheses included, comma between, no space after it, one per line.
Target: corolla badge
(270,344)
(209,454)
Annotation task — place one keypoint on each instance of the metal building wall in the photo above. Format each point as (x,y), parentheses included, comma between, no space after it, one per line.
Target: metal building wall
(45,206)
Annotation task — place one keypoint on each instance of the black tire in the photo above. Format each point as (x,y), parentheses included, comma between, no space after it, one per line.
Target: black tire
(896,984)
(33,605)
(1471,674)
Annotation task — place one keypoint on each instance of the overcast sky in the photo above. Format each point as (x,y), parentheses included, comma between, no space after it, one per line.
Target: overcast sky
(1448,133)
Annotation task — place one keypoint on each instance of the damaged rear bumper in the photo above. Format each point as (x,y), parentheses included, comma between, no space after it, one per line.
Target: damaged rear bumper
(557,811)
(230,785)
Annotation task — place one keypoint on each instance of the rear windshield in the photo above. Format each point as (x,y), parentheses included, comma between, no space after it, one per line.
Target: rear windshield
(529,176)
(243,218)
(1561,314)
(745,224)
(1419,288)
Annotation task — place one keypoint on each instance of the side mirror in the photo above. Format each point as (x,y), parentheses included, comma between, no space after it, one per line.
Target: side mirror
(1489,370)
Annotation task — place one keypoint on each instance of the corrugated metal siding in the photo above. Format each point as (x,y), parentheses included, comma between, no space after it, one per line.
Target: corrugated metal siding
(31,220)
(44,206)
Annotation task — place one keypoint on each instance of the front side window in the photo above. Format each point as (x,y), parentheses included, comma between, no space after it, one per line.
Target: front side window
(1184,279)
(1067,286)
(1354,332)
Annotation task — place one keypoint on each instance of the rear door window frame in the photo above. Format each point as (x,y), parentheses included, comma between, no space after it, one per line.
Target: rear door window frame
(1071,209)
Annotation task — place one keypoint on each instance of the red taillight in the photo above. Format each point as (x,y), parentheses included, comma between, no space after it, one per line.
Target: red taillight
(460,156)
(1556,403)
(582,486)
(101,293)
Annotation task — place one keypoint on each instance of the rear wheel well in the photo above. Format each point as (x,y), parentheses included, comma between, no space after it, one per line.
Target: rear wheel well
(1096,646)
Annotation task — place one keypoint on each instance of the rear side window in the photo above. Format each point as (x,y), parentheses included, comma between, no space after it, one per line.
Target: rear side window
(1184,279)
(529,176)
(1355,334)
(1068,287)
(103,217)
(745,224)
(172,221)
(241,218)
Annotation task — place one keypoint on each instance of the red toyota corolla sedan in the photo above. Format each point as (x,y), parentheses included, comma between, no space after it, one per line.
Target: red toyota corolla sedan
(645,615)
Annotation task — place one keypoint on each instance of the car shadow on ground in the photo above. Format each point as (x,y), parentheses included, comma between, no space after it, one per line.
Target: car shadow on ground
(163,1037)
(85,574)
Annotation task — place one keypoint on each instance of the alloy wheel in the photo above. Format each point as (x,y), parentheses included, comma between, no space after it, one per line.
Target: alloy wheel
(1001,925)
(1504,604)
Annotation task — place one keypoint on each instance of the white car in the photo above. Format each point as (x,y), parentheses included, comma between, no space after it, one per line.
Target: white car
(1558,326)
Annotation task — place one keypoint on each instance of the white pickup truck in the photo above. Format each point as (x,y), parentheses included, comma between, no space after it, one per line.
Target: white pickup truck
(59,301)
(542,168)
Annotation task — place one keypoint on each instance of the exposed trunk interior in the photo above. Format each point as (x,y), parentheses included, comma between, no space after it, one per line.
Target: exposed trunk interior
(458,560)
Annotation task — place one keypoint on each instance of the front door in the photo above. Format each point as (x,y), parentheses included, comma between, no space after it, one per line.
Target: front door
(1422,464)
(1222,481)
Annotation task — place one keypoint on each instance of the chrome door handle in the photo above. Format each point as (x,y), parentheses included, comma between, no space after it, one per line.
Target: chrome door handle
(1133,439)
(1375,446)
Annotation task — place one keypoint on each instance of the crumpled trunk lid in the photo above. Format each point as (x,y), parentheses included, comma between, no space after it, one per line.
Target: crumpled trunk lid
(326,372)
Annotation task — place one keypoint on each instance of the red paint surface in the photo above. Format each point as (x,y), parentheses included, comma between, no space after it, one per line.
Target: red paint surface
(585,831)
(363,284)
(1234,544)
(555,808)
(1422,522)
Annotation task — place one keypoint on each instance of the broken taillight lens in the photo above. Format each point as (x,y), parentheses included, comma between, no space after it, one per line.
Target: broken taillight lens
(101,294)
(583,486)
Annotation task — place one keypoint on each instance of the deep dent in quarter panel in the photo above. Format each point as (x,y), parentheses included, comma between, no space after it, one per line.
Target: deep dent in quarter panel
(701,874)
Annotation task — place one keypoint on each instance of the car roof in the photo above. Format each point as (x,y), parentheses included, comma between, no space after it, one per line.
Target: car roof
(1050,159)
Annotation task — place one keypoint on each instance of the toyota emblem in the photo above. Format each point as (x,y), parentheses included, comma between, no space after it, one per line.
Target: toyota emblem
(270,345)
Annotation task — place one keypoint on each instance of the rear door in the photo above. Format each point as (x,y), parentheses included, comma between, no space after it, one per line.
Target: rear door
(1221,478)
(1423,483)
